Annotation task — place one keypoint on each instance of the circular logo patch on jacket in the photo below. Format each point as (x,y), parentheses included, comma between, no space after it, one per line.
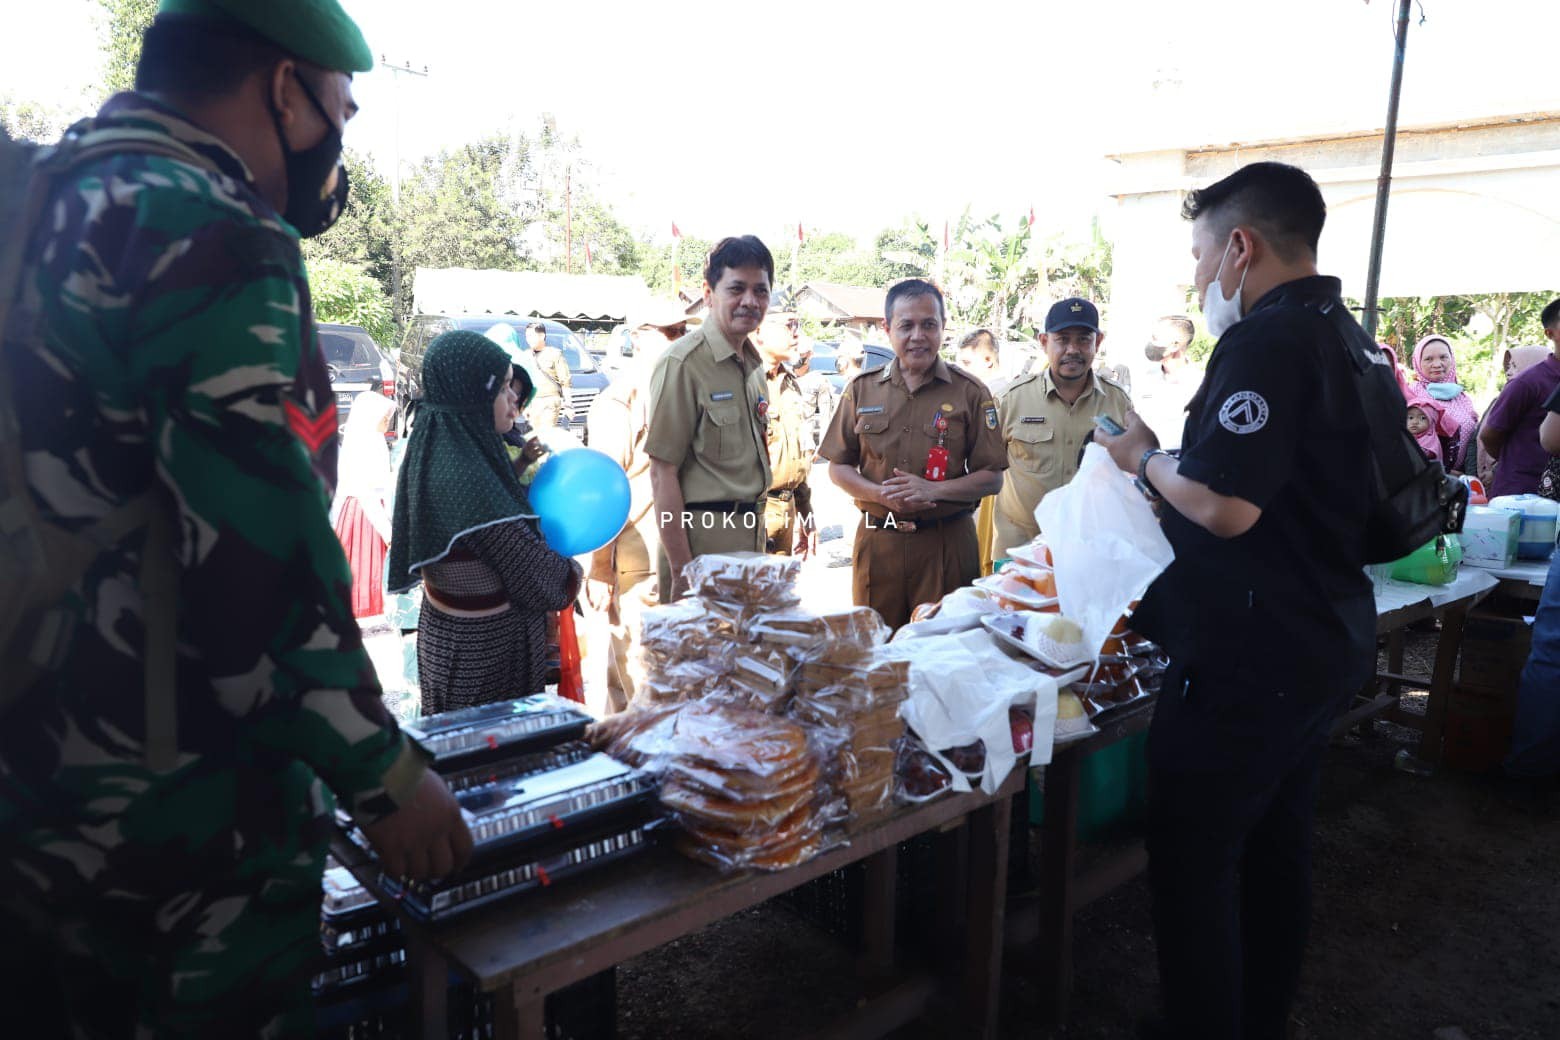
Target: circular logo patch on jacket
(1244,411)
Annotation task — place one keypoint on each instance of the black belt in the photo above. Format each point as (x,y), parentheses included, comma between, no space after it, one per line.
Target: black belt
(786,494)
(724,507)
(908,525)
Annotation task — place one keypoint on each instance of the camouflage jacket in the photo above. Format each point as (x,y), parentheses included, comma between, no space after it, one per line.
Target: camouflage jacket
(163,332)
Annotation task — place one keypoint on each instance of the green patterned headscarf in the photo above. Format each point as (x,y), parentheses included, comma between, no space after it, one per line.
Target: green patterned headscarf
(456,476)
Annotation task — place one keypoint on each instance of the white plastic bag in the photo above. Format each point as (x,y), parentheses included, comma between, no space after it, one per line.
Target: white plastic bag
(961,687)
(1106,544)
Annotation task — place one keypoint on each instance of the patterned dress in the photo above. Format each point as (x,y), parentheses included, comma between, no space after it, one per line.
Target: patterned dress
(462,661)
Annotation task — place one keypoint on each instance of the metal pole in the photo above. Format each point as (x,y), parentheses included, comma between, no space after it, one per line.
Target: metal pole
(395,181)
(1378,234)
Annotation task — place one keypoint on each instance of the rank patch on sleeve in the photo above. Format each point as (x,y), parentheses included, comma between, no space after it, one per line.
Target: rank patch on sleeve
(991,417)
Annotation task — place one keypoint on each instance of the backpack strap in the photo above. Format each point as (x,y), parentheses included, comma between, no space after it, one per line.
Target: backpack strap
(62,556)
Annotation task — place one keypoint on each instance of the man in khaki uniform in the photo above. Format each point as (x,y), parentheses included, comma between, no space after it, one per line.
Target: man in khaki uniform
(790,442)
(620,582)
(1046,415)
(916,541)
(554,381)
(709,407)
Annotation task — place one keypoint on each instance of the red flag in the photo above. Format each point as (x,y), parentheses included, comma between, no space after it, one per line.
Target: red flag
(799,236)
(945,236)
(675,232)
(587,257)
(1031,216)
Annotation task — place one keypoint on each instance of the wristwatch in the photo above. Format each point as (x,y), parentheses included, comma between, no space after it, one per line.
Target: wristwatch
(1143,483)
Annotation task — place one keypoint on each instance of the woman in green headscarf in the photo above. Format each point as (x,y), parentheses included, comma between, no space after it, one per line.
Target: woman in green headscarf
(464,527)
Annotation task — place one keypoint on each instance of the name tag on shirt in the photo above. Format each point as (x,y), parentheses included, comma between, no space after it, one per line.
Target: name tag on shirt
(870,410)
(1032,419)
(724,395)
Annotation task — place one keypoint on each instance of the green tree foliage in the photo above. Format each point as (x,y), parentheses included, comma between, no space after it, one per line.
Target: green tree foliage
(123,23)
(655,264)
(364,235)
(26,121)
(463,208)
(828,257)
(346,293)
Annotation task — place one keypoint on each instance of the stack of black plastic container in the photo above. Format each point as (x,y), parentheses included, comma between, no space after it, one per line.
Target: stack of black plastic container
(541,807)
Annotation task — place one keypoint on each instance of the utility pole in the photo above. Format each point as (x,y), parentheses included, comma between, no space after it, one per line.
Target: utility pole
(568,219)
(395,103)
(395,179)
(1378,232)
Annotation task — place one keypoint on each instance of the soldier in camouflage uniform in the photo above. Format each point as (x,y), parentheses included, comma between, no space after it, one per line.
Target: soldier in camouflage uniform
(163,336)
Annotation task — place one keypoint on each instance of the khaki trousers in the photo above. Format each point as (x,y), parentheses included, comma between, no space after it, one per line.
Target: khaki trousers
(894,571)
(712,532)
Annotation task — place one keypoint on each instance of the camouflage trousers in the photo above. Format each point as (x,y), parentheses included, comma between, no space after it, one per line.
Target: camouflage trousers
(194,912)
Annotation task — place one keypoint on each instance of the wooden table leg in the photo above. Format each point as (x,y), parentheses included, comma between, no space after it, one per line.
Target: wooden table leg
(878,921)
(429,976)
(949,850)
(1441,680)
(989,830)
(1058,853)
(519,1017)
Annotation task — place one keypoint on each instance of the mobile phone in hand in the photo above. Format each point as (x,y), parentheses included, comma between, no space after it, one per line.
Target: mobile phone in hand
(1109,425)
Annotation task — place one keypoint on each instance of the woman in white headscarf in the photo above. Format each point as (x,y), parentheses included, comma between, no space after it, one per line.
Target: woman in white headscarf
(364,481)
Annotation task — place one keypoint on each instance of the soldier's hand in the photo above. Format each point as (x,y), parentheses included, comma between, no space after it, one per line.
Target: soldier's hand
(425,838)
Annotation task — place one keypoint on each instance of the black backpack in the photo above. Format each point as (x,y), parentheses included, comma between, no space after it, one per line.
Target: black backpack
(1414,499)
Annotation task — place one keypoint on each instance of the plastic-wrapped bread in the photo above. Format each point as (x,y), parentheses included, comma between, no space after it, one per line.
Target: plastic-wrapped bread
(683,630)
(841,636)
(744,579)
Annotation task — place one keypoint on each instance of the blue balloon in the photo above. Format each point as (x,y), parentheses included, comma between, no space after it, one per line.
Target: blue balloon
(581,496)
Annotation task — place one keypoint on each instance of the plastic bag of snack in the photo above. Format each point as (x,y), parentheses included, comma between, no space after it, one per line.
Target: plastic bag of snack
(682,630)
(843,635)
(744,578)
(962,687)
(918,775)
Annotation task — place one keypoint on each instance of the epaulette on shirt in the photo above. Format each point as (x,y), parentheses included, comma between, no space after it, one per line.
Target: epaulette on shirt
(1110,381)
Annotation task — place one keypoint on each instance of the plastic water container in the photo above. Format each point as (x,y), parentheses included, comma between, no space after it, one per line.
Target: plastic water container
(1540,517)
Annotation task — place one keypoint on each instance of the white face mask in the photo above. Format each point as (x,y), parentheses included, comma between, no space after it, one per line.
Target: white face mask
(1220,312)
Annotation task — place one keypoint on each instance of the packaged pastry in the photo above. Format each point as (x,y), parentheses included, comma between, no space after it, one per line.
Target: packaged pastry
(840,636)
(744,578)
(681,630)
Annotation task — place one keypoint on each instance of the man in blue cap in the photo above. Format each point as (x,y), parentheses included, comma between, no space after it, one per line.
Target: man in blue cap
(1046,416)
(165,800)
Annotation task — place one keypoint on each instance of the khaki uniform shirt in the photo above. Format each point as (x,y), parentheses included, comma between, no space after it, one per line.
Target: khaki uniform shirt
(708,402)
(1044,435)
(880,426)
(618,420)
(790,442)
(555,378)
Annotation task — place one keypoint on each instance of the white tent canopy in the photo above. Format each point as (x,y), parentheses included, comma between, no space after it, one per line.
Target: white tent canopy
(588,297)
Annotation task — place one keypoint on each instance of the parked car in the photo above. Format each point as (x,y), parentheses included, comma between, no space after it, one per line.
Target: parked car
(873,358)
(356,365)
(588,379)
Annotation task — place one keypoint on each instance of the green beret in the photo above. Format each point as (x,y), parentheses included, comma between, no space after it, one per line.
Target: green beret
(314,30)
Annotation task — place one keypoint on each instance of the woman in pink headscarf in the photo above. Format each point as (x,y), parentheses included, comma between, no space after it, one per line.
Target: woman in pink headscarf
(1437,372)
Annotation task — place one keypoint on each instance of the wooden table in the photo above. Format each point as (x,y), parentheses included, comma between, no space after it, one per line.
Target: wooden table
(1397,607)
(542,942)
(1046,919)
(1523,580)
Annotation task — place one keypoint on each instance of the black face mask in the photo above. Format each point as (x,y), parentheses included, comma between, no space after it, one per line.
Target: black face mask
(310,208)
(1154,352)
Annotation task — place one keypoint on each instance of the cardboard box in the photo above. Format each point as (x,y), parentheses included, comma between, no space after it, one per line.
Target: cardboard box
(1494,649)
(1489,537)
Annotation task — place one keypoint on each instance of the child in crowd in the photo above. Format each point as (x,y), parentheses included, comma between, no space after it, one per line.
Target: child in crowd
(1425,419)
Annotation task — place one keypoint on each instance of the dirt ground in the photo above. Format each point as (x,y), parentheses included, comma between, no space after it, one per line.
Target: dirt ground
(1437,907)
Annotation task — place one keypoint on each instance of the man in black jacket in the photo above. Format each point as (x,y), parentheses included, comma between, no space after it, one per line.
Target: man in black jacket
(1267,612)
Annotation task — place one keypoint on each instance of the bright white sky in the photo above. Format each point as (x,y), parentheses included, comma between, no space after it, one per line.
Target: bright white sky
(851,114)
